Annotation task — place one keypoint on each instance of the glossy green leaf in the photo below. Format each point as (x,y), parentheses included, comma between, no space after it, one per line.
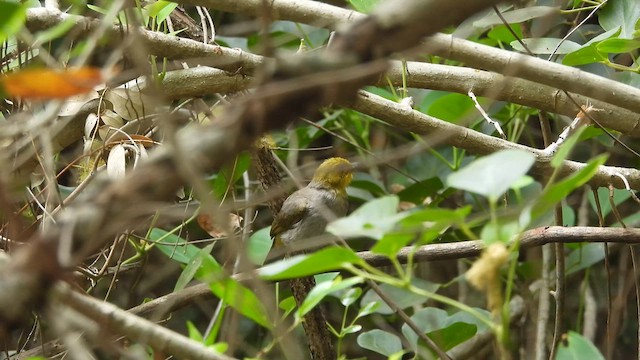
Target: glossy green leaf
(546,46)
(320,291)
(332,258)
(492,175)
(575,347)
(380,341)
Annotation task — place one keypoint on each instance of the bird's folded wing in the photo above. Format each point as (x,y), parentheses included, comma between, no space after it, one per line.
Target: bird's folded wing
(293,211)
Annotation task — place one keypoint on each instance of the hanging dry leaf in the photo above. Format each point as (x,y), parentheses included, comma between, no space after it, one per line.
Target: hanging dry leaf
(214,229)
(41,84)
(117,162)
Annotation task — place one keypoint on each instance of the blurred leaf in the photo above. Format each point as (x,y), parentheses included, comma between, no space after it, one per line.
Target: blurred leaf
(619,196)
(502,33)
(350,296)
(364,6)
(401,297)
(620,13)
(516,16)
(575,347)
(367,309)
(380,341)
(546,45)
(492,175)
(451,107)
(259,245)
(40,84)
(332,258)
(417,192)
(391,243)
(373,219)
(12,18)
(584,256)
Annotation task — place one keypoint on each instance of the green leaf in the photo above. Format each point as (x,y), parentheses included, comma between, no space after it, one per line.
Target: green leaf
(617,46)
(586,55)
(233,293)
(173,246)
(451,107)
(584,256)
(546,45)
(320,291)
(192,268)
(565,148)
(515,16)
(444,327)
(391,243)
(332,258)
(367,309)
(556,192)
(364,6)
(449,337)
(373,219)
(502,33)
(403,298)
(287,305)
(12,18)
(350,296)
(417,192)
(619,196)
(492,175)
(380,341)
(622,13)
(576,347)
(259,245)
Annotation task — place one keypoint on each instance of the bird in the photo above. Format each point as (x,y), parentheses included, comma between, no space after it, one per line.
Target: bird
(306,212)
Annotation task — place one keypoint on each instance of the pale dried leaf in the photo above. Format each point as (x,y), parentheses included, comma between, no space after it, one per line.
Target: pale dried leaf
(117,162)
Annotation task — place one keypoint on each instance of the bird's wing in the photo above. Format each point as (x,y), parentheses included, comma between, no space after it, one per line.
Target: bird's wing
(293,210)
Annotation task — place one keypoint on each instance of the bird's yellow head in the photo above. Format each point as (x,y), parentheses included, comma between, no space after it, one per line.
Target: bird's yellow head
(335,173)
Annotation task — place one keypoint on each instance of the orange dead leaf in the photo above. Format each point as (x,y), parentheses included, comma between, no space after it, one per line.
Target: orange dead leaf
(50,84)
